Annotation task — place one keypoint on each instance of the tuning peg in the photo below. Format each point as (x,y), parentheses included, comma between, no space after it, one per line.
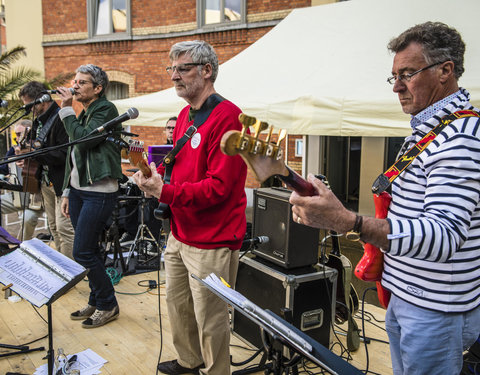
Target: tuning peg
(281,136)
(269,136)
(259,127)
(247,120)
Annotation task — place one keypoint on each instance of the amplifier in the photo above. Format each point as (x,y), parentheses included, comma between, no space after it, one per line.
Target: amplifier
(291,245)
(309,293)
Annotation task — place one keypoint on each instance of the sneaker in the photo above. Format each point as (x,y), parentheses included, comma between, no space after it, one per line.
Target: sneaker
(83,313)
(173,368)
(101,317)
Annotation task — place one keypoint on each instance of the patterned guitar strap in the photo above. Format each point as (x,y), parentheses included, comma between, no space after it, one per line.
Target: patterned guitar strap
(385,179)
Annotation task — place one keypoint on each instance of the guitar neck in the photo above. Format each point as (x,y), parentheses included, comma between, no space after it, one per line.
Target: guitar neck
(296,182)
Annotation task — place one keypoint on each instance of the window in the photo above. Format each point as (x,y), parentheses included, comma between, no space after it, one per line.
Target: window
(109,17)
(117,90)
(214,12)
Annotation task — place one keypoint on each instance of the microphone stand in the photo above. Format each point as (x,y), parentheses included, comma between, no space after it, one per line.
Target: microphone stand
(54,148)
(17,119)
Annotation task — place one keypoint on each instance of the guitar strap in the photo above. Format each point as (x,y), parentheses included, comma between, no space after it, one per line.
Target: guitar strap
(385,179)
(45,129)
(200,117)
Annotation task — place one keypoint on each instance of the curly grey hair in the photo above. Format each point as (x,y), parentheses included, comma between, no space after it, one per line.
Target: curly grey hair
(99,77)
(200,52)
(440,43)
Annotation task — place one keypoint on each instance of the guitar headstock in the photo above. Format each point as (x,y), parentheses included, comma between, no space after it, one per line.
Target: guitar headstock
(136,156)
(263,157)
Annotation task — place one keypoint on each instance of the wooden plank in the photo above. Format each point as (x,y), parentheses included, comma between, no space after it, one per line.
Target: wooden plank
(131,344)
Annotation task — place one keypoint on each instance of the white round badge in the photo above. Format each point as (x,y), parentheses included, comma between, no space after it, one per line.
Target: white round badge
(196,140)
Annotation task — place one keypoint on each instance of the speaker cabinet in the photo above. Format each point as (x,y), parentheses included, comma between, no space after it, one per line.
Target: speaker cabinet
(309,293)
(291,245)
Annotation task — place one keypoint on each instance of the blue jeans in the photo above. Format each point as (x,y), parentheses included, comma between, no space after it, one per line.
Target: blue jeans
(89,212)
(429,342)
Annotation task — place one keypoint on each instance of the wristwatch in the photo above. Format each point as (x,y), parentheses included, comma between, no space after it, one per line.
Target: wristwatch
(355,233)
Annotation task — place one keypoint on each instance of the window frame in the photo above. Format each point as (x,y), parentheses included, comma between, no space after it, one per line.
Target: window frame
(201,7)
(92,6)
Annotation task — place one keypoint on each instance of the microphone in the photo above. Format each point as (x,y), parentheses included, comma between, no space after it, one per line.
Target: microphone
(43,99)
(3,103)
(256,241)
(118,141)
(56,91)
(130,114)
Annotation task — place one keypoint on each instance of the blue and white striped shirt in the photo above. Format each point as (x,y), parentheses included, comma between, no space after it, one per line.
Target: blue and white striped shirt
(433,259)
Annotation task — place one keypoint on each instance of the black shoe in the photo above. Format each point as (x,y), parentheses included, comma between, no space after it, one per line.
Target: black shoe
(44,237)
(173,368)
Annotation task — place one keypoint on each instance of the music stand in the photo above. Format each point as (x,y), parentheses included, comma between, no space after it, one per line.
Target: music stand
(274,329)
(68,274)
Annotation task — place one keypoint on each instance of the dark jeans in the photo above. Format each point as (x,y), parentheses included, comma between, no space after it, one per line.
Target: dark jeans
(89,212)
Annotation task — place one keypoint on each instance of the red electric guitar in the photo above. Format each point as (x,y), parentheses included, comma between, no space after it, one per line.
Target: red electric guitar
(370,266)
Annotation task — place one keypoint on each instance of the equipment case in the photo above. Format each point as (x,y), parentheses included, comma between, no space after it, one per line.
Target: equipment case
(309,293)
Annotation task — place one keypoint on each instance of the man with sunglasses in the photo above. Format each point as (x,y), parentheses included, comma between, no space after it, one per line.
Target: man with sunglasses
(431,237)
(207,199)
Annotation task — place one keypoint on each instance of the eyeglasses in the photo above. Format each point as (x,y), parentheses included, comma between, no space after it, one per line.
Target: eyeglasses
(170,128)
(182,68)
(408,77)
(80,82)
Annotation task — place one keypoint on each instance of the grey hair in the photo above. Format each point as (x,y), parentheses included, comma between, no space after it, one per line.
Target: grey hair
(440,43)
(25,123)
(99,77)
(200,52)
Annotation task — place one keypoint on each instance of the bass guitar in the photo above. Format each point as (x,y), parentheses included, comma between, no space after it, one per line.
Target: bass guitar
(265,159)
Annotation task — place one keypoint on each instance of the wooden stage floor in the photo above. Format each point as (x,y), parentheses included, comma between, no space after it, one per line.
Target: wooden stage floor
(132,343)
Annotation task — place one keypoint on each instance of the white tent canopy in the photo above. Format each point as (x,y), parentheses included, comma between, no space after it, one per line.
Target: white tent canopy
(323,69)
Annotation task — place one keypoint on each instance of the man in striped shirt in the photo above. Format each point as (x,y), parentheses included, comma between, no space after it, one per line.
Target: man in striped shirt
(431,237)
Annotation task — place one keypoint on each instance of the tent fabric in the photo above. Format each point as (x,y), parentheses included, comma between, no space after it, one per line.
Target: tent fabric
(322,70)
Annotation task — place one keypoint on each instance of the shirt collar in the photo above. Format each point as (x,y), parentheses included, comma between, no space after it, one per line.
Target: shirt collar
(430,111)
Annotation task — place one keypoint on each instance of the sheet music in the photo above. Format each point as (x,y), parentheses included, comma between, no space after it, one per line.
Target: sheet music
(35,278)
(61,264)
(239,299)
(36,272)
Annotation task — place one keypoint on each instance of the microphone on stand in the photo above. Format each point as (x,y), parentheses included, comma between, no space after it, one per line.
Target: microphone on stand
(255,241)
(56,91)
(131,113)
(118,141)
(43,99)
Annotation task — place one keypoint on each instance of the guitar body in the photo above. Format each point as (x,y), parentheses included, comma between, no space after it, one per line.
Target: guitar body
(31,171)
(31,176)
(370,266)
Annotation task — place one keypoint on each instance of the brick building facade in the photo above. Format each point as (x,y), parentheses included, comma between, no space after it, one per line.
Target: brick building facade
(136,58)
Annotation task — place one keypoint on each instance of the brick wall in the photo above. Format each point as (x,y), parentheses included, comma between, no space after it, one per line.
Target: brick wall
(143,61)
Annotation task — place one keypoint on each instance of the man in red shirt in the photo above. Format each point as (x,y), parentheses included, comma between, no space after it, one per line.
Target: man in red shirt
(206,195)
